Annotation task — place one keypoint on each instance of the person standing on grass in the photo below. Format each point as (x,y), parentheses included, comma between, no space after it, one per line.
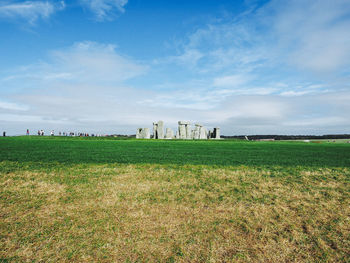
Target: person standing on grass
(27,132)
(4,134)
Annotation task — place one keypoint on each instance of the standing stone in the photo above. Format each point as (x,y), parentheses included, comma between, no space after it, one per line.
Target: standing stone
(196,134)
(216,133)
(143,133)
(138,133)
(184,130)
(160,130)
(155,126)
(203,133)
(169,134)
(210,134)
(146,134)
(188,132)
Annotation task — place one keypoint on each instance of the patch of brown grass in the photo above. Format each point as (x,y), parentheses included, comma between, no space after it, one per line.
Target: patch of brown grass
(159,213)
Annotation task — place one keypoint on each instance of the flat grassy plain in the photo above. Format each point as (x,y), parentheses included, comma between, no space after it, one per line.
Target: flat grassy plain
(107,200)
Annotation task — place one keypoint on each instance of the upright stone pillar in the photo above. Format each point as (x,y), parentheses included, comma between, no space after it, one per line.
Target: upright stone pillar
(203,133)
(138,133)
(169,134)
(155,126)
(210,134)
(160,130)
(196,134)
(146,133)
(216,133)
(184,130)
(188,132)
(143,133)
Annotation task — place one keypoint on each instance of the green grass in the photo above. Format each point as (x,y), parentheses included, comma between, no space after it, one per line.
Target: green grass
(61,150)
(109,200)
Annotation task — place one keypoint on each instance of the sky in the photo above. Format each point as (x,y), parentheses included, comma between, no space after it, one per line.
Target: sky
(112,66)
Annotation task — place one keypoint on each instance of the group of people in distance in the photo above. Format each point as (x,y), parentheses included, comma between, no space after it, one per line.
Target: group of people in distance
(52,133)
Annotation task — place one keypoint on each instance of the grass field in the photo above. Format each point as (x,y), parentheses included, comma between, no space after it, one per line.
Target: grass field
(107,200)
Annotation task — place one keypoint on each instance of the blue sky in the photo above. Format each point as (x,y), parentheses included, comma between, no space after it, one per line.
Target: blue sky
(111,66)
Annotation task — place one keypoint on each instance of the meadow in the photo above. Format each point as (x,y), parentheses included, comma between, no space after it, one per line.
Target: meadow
(66,199)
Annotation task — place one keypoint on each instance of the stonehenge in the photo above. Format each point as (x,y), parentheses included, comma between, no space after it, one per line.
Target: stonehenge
(183,132)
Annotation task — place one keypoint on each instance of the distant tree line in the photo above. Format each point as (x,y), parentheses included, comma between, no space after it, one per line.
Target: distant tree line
(262,137)
(289,137)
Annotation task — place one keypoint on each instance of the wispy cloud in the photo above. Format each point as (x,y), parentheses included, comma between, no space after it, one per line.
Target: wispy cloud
(83,62)
(230,81)
(30,11)
(5,105)
(321,42)
(95,62)
(265,40)
(105,9)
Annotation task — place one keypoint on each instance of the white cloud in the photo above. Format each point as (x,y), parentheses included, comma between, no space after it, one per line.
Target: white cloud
(105,9)
(301,36)
(30,11)
(94,62)
(317,122)
(84,62)
(230,81)
(315,32)
(294,93)
(24,118)
(12,106)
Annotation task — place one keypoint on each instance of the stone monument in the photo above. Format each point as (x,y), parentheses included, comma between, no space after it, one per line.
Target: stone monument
(184,131)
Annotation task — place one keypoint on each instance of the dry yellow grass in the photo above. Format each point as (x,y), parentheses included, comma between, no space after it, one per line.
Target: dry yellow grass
(159,213)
